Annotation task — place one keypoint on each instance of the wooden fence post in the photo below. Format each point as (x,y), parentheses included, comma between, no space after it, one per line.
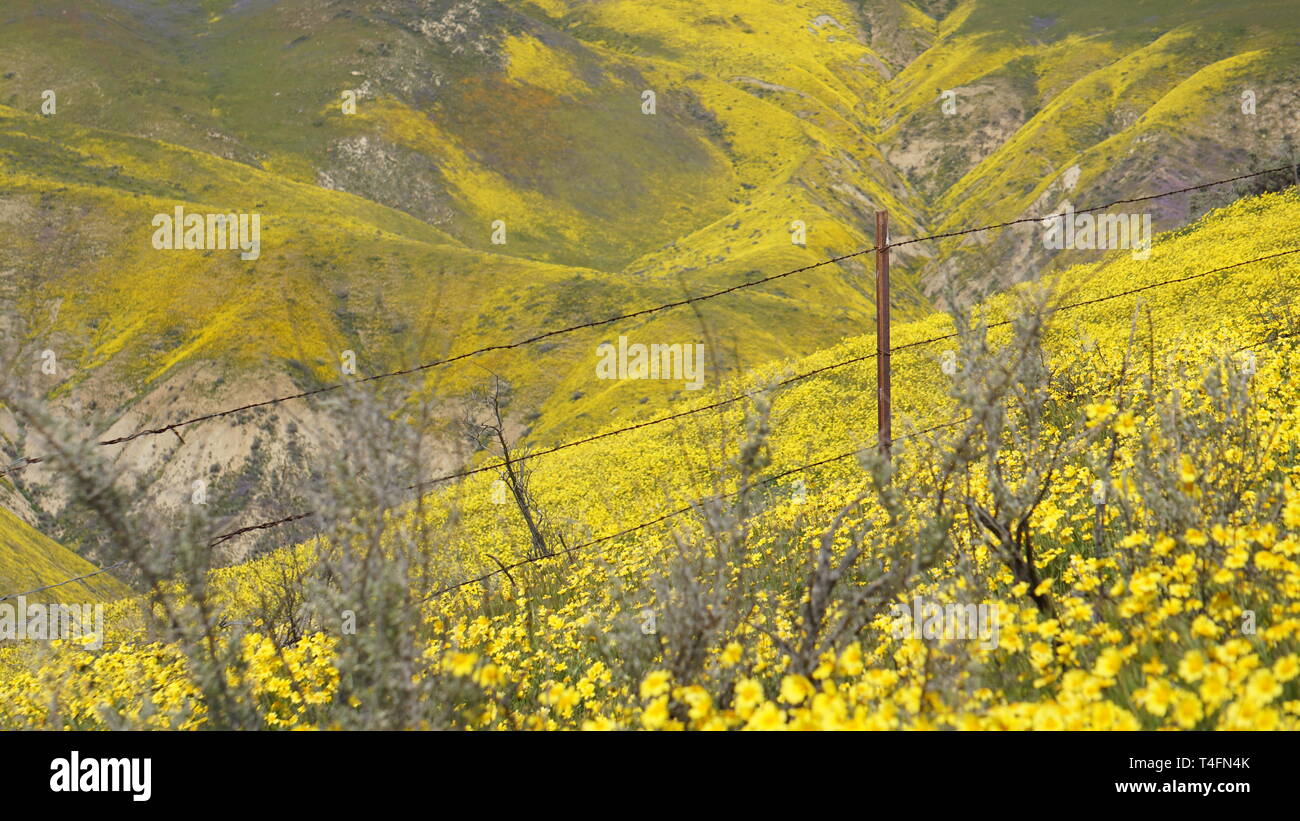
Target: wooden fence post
(884,394)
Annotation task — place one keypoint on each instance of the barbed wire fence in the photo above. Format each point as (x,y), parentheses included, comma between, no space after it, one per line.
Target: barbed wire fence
(881,247)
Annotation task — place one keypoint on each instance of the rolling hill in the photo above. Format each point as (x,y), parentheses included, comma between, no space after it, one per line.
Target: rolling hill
(378,225)
(560,641)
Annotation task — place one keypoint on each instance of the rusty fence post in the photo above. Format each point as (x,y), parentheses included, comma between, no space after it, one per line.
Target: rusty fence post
(884,394)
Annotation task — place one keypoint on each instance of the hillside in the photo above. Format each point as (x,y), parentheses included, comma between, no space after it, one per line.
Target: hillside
(470,112)
(1118,634)
(527,120)
(28,558)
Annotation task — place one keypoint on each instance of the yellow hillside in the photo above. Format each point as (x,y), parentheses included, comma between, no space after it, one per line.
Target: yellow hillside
(29,560)
(1171,605)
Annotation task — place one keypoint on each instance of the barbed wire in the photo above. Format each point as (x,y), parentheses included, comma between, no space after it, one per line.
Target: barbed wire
(1128,201)
(105,569)
(23,462)
(802,376)
(673,514)
(1266,339)
(748,394)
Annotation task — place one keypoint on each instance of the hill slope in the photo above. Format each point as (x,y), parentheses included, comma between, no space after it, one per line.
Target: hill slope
(29,560)
(1140,628)
(379,223)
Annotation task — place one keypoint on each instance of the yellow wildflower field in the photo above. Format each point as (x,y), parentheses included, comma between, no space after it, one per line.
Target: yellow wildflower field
(1113,499)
